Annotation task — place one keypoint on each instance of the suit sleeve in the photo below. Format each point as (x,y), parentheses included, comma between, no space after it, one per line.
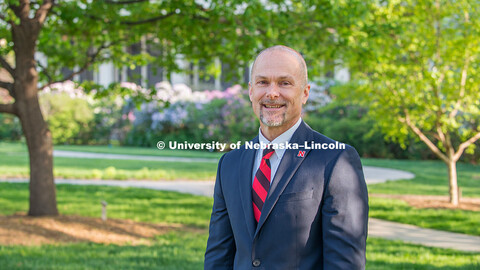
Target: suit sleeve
(220,251)
(345,213)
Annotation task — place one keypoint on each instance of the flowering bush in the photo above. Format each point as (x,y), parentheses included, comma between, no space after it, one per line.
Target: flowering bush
(67,111)
(195,116)
(132,115)
(77,117)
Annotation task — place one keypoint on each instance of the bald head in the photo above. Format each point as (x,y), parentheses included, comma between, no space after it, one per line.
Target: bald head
(302,65)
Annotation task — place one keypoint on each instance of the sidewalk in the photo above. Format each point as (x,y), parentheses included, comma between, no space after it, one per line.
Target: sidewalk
(373,175)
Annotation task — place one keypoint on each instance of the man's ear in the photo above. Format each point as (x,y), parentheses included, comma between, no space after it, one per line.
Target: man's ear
(250,90)
(306,93)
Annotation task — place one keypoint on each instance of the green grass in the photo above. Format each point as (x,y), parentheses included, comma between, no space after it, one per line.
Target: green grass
(185,251)
(460,221)
(177,249)
(124,150)
(15,164)
(125,203)
(392,255)
(430,178)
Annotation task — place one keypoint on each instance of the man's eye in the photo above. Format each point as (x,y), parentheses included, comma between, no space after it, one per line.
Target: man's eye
(285,83)
(262,82)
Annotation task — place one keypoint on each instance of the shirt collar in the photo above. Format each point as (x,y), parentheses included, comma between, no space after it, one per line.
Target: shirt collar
(282,139)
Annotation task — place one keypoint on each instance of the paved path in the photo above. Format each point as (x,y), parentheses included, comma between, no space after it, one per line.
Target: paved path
(422,236)
(373,175)
(75,154)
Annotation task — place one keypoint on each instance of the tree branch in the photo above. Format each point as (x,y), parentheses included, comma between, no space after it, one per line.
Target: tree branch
(8,108)
(3,18)
(464,145)
(424,138)
(22,10)
(8,86)
(124,2)
(44,71)
(154,19)
(7,66)
(87,63)
(42,12)
(463,82)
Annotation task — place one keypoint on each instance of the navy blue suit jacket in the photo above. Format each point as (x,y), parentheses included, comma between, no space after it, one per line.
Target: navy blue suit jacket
(314,217)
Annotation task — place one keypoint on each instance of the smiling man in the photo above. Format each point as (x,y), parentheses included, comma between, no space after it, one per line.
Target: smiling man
(279,208)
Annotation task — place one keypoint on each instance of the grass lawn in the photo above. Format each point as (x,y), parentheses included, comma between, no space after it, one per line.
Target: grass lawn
(177,249)
(14,163)
(124,150)
(430,178)
(123,203)
(460,221)
(185,251)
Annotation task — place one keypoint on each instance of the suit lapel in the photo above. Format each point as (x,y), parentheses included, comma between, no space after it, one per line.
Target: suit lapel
(245,186)
(287,168)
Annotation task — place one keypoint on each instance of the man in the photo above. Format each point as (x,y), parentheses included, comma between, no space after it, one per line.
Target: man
(287,208)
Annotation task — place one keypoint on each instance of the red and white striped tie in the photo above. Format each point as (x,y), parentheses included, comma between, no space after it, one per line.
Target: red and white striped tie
(261,183)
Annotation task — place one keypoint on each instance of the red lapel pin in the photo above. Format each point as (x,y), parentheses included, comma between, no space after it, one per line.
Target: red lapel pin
(301,154)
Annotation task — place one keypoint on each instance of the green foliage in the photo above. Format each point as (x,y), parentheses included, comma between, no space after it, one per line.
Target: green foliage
(353,125)
(220,116)
(420,69)
(10,128)
(69,119)
(83,34)
(349,124)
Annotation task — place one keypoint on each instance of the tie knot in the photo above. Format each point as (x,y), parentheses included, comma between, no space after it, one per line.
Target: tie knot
(268,152)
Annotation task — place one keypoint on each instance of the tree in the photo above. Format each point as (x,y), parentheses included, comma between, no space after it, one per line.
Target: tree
(78,35)
(416,67)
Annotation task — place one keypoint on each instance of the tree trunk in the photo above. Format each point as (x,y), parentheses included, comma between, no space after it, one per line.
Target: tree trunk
(39,140)
(452,178)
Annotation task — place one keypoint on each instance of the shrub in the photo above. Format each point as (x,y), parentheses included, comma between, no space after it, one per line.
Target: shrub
(10,127)
(194,116)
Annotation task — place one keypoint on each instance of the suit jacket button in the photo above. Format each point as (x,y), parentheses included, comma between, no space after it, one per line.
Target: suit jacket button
(256,263)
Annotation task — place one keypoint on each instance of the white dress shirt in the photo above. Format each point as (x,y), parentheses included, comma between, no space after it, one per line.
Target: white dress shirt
(278,154)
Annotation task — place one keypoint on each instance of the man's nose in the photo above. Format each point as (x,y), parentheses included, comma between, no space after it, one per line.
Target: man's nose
(273,91)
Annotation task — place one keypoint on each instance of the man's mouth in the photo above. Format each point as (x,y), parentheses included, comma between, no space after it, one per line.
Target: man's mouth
(273,106)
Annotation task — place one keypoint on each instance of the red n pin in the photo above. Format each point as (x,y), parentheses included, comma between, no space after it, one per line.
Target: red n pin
(301,154)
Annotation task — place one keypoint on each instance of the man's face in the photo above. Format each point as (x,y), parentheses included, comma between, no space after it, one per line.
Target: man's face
(277,90)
